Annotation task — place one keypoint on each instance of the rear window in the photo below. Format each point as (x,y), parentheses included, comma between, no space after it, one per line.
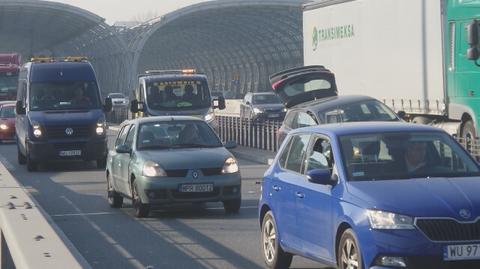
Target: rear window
(306,84)
(266,99)
(369,110)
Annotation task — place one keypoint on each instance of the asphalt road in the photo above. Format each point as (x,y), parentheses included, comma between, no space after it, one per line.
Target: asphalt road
(202,236)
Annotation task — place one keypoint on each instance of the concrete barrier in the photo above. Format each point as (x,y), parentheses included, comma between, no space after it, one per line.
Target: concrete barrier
(29,237)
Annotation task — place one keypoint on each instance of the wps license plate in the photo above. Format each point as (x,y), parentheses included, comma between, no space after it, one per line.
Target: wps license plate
(461,252)
(196,188)
(69,153)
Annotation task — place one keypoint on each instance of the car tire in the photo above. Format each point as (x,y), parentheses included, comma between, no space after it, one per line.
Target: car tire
(141,210)
(273,254)
(102,163)
(20,157)
(115,200)
(31,164)
(349,254)
(232,206)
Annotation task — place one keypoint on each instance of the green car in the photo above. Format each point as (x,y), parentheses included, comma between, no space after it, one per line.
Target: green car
(165,160)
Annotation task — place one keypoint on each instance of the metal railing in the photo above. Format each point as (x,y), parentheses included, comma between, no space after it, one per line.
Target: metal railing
(254,134)
(28,237)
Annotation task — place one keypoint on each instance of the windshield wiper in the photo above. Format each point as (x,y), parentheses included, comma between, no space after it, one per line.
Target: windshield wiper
(156,147)
(194,145)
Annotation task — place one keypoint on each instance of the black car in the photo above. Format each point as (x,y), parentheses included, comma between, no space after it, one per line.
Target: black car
(310,95)
(261,106)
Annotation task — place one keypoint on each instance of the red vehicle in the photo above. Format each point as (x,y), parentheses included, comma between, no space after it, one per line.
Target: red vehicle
(7,120)
(9,69)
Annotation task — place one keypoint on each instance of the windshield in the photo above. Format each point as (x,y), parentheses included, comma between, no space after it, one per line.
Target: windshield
(8,84)
(64,95)
(176,134)
(369,110)
(405,155)
(178,95)
(259,99)
(7,112)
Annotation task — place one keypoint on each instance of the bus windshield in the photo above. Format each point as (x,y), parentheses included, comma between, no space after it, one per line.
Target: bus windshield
(64,95)
(178,95)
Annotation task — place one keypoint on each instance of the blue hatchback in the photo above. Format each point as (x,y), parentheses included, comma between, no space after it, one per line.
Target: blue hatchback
(372,195)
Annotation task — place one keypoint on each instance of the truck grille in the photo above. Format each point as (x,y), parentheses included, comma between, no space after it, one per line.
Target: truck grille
(79,131)
(449,229)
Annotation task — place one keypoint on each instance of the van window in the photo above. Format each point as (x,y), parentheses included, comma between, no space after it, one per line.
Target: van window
(64,95)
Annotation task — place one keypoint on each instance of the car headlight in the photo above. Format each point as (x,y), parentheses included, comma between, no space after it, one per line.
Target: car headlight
(284,109)
(230,166)
(37,131)
(100,128)
(3,126)
(387,220)
(257,110)
(151,169)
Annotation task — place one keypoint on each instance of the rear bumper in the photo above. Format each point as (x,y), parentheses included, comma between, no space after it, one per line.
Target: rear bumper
(7,134)
(90,149)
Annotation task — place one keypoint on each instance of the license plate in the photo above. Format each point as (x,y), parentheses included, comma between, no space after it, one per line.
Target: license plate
(196,188)
(461,252)
(273,115)
(69,153)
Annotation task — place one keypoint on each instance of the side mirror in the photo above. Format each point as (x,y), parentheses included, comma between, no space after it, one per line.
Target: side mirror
(19,108)
(123,149)
(230,144)
(221,103)
(136,106)
(401,114)
(320,176)
(108,105)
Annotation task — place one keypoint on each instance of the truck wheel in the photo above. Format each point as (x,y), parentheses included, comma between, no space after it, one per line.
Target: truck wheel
(20,157)
(469,136)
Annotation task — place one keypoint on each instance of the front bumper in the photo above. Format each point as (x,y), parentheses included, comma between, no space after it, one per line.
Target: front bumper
(417,250)
(166,190)
(94,148)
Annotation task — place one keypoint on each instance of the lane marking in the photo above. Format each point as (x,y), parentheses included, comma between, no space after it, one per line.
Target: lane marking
(85,214)
(127,255)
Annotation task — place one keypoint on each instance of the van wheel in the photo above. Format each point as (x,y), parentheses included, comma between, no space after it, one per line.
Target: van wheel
(20,157)
(141,210)
(31,165)
(273,254)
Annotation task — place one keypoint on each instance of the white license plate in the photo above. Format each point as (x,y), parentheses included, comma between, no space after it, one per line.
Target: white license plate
(196,188)
(273,115)
(68,153)
(461,252)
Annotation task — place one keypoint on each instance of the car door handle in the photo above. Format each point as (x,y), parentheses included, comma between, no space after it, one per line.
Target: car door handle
(276,188)
(300,195)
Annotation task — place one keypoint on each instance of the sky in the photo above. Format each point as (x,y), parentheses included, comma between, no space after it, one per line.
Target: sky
(128,10)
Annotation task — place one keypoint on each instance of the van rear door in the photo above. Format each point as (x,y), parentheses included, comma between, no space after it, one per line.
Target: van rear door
(303,84)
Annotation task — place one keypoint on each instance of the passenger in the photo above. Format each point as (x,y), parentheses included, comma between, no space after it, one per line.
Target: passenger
(154,98)
(79,99)
(189,96)
(190,135)
(415,154)
(169,98)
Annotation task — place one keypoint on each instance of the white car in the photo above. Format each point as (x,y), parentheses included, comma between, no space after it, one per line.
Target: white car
(118,99)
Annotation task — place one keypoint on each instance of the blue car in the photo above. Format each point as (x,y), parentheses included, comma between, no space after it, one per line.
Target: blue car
(372,195)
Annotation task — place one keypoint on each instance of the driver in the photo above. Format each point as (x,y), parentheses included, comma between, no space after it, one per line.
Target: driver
(189,96)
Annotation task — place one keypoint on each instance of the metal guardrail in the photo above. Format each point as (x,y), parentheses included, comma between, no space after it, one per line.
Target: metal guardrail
(29,238)
(118,114)
(260,135)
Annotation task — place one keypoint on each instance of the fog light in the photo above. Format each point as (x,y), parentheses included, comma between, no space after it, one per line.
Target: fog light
(391,261)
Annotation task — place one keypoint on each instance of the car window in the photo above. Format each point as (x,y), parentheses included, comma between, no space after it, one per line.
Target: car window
(284,154)
(320,156)
(305,120)
(366,110)
(297,153)
(121,135)
(403,155)
(290,119)
(131,135)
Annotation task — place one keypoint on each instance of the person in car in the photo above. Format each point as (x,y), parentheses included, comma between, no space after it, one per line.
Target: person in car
(79,98)
(189,96)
